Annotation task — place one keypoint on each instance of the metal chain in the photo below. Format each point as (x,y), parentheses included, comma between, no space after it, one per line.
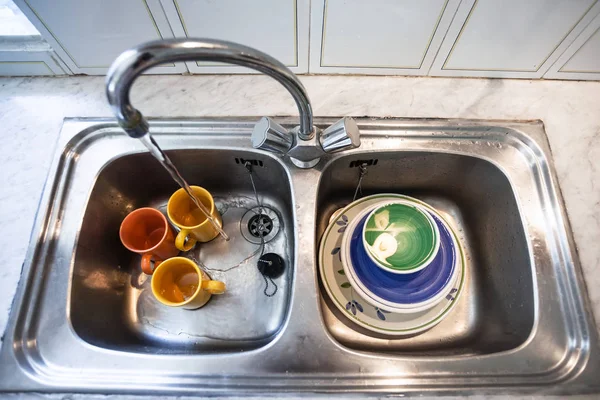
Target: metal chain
(362,171)
(267,286)
(260,249)
(248,166)
(203,266)
(260,230)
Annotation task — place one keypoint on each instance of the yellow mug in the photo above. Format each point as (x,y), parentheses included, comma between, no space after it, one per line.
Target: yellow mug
(178,282)
(194,225)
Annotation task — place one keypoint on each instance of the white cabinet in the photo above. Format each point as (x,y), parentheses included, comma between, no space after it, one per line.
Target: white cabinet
(89,34)
(276,27)
(377,36)
(556,39)
(510,38)
(582,59)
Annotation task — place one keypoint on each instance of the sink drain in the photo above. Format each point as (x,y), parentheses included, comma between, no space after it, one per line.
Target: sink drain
(260,225)
(259,221)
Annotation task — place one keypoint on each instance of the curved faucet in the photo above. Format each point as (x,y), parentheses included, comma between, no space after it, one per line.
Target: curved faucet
(304,144)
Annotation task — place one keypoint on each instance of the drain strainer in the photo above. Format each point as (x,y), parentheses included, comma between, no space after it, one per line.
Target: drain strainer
(260,221)
(260,225)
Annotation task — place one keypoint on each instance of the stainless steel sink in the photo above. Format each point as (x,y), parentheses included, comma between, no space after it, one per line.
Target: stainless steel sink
(84,320)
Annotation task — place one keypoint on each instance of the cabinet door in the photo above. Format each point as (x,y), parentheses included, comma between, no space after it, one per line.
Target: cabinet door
(582,59)
(89,34)
(377,36)
(510,38)
(276,27)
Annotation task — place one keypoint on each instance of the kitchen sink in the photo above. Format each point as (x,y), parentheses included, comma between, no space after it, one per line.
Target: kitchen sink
(84,319)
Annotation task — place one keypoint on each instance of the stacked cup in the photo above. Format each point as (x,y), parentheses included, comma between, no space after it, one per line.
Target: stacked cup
(400,256)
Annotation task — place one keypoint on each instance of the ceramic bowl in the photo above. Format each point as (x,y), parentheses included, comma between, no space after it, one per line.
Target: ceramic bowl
(400,293)
(400,237)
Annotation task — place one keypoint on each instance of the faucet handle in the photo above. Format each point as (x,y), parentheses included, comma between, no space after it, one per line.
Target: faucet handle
(269,135)
(342,135)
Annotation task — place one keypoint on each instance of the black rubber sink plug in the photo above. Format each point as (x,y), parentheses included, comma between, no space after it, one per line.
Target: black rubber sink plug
(270,266)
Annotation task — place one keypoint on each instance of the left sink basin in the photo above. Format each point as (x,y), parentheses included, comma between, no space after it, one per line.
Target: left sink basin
(106,299)
(111,304)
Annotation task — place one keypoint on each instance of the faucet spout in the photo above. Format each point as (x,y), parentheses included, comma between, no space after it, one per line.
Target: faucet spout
(130,64)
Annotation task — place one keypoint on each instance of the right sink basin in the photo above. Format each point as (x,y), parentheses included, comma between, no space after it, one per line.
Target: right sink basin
(495,311)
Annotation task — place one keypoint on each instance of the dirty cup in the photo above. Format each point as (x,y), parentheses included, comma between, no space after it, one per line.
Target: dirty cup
(146,231)
(195,227)
(178,282)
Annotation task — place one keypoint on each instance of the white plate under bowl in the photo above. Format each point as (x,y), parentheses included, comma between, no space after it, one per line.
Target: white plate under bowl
(354,306)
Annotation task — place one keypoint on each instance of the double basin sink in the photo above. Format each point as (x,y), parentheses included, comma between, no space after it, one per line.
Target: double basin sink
(84,319)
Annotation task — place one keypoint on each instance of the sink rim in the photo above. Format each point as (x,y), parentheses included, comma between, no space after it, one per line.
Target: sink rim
(33,372)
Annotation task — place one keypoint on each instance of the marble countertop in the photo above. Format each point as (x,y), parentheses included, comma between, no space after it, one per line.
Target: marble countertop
(32,110)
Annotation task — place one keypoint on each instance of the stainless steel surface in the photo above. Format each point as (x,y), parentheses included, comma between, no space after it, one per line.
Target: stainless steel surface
(303,144)
(524,325)
(269,135)
(343,135)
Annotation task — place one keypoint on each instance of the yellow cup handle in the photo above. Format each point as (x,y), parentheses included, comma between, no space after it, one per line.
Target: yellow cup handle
(213,287)
(180,242)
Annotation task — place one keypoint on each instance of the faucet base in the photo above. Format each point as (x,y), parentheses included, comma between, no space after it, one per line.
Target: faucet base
(305,164)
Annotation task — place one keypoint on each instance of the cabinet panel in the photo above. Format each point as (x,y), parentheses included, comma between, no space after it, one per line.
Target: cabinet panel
(24,68)
(28,64)
(582,59)
(378,36)
(29,56)
(277,27)
(90,34)
(510,38)
(587,58)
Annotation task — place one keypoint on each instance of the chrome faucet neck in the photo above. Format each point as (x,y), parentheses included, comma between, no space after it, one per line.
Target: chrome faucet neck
(129,65)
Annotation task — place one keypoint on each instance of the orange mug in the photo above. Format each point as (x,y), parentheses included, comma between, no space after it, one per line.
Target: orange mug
(146,231)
